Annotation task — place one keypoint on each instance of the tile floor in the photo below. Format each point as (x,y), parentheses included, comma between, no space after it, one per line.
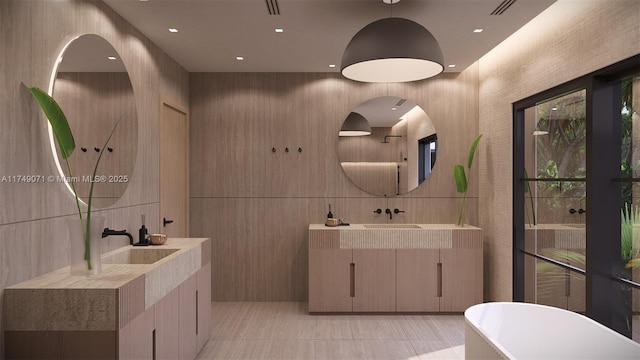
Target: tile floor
(284,330)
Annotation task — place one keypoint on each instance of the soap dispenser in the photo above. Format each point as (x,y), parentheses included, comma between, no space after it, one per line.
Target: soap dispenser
(142,234)
(330,220)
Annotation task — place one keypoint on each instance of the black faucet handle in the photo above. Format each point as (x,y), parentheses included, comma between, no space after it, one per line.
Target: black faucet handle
(377,211)
(397,211)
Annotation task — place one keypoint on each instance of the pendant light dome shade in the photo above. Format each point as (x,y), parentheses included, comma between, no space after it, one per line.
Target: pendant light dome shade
(355,125)
(392,50)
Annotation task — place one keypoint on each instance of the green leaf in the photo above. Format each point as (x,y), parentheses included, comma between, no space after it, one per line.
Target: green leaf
(57,119)
(461,178)
(472,150)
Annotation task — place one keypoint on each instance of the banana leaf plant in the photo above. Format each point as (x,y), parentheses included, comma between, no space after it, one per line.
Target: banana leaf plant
(66,143)
(462,180)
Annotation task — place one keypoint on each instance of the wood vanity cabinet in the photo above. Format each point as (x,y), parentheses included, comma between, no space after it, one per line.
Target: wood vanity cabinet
(160,311)
(175,327)
(431,276)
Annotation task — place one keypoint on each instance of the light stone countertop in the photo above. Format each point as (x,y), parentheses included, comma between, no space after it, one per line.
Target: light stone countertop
(394,236)
(106,301)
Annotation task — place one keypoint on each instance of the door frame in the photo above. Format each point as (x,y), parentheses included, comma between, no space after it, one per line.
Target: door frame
(176,105)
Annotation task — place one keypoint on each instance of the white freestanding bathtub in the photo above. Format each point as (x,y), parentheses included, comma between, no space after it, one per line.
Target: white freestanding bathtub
(509,330)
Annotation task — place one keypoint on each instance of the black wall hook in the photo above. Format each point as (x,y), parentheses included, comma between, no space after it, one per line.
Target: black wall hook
(84,149)
(273,149)
(96,149)
(110,149)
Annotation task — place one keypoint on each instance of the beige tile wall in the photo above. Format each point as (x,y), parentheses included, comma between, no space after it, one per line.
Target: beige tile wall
(569,39)
(257,204)
(32,217)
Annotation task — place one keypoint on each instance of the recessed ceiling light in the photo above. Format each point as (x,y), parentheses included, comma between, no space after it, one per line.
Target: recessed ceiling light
(279,30)
(332,65)
(394,109)
(478,30)
(239,58)
(452,65)
(111,57)
(173,30)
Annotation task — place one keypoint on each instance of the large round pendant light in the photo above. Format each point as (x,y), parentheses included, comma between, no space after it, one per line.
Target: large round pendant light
(355,125)
(392,50)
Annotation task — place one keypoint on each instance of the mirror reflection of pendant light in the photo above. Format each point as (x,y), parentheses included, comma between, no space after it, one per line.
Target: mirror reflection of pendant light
(355,125)
(392,50)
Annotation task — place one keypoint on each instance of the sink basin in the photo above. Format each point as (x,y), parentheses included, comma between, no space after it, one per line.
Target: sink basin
(392,226)
(138,256)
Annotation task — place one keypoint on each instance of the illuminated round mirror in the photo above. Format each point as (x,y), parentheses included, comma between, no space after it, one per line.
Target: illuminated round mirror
(395,153)
(94,91)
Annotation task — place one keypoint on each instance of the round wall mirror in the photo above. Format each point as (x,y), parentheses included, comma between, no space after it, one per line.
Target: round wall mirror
(94,91)
(397,151)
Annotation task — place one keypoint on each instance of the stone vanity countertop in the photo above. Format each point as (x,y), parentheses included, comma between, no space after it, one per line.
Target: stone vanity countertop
(395,236)
(108,300)
(113,276)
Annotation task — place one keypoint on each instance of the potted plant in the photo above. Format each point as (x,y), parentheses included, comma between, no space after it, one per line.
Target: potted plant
(462,181)
(86,228)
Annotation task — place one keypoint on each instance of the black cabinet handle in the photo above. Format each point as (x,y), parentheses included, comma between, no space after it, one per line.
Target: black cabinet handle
(165,222)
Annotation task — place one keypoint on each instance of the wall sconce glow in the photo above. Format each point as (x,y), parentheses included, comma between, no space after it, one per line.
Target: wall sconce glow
(173,30)
(355,125)
(392,50)
(478,30)
(279,30)
(239,58)
(52,141)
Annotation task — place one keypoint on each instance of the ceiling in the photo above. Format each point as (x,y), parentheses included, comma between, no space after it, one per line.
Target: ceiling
(212,33)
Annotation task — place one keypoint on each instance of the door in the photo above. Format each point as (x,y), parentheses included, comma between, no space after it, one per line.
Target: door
(417,280)
(174,169)
(330,280)
(374,280)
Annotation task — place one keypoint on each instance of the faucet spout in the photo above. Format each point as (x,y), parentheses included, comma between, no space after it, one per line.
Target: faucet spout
(388,211)
(108,232)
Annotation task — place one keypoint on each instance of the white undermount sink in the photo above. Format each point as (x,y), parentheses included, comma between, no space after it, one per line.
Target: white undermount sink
(145,255)
(391,226)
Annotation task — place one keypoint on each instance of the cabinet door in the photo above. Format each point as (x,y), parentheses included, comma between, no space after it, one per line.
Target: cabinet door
(167,322)
(330,280)
(461,278)
(374,279)
(417,280)
(188,316)
(203,298)
(136,339)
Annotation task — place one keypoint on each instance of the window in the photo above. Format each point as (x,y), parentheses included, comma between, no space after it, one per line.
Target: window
(576,196)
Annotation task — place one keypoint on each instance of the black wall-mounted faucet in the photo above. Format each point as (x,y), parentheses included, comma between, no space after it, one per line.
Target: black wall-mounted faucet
(108,232)
(388,211)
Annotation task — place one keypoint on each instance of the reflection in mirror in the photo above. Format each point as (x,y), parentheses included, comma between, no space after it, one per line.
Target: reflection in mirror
(400,152)
(94,90)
